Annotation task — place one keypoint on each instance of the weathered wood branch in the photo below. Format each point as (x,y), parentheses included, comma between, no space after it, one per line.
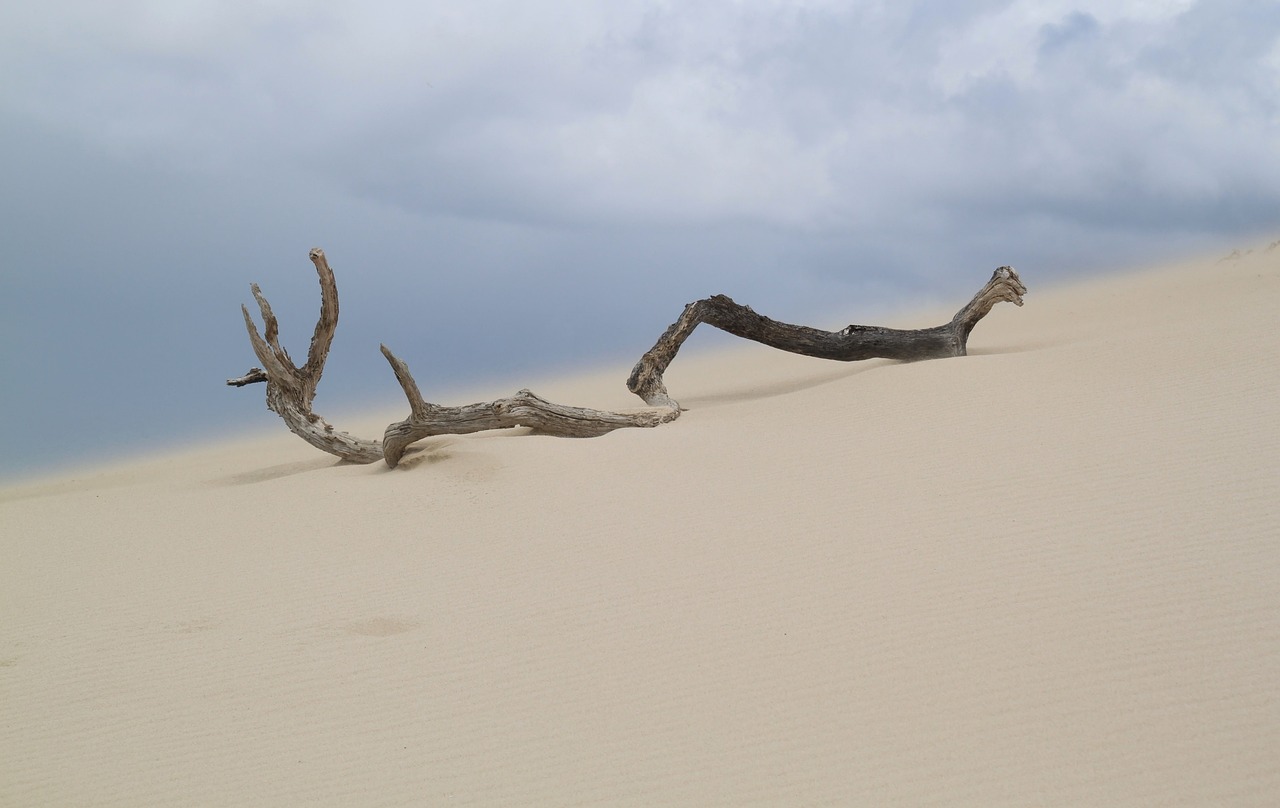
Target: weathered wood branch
(251,376)
(850,344)
(290,389)
(523,409)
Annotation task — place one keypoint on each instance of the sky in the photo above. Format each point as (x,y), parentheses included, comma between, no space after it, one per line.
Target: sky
(506,189)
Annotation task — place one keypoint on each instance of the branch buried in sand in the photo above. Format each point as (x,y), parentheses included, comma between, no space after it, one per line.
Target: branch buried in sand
(290,390)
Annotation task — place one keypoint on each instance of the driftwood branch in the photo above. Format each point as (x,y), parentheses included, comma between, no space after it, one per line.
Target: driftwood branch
(290,389)
(853,343)
(523,409)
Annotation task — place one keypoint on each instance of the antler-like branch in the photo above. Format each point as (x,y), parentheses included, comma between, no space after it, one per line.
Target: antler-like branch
(327,323)
(291,390)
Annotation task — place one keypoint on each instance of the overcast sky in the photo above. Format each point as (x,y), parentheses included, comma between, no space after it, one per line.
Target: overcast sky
(509,187)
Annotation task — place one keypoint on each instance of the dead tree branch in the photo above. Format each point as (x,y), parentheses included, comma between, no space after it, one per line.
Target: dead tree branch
(523,409)
(853,343)
(252,376)
(290,389)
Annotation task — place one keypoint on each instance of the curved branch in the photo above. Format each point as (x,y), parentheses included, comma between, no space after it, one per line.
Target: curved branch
(1004,287)
(850,344)
(523,409)
(291,390)
(327,323)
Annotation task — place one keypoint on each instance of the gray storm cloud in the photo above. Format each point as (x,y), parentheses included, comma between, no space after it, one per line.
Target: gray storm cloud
(574,169)
(799,115)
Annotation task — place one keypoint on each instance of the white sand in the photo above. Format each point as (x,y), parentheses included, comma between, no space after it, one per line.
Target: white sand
(1043,574)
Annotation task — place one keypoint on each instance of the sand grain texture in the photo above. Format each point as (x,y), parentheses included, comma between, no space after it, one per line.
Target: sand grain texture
(1042,574)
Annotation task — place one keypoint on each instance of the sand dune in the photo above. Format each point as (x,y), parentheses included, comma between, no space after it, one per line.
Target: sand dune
(1042,574)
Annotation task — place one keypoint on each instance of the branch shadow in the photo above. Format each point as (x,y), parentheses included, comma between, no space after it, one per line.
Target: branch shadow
(1026,347)
(760,392)
(277,472)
